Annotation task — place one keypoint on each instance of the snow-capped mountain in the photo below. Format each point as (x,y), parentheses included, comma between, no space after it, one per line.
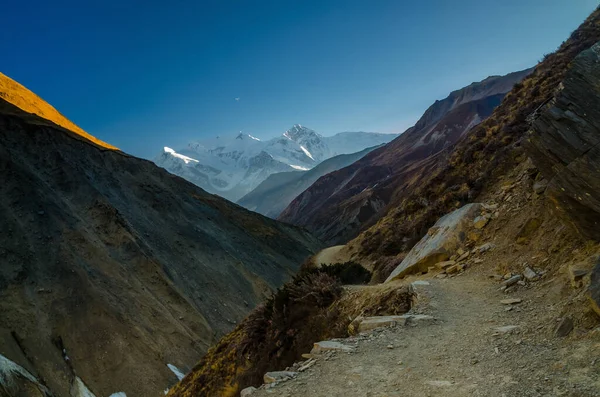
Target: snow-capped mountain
(233,166)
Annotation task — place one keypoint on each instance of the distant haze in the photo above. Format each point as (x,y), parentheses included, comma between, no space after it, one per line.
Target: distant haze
(144,75)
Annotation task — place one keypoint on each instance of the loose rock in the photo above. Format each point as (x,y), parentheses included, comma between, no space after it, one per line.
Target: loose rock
(278,376)
(564,328)
(512,280)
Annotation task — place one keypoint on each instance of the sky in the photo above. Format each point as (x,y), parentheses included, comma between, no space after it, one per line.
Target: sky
(146,74)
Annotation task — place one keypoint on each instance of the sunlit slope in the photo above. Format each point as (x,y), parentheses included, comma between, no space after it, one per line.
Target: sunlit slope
(26,100)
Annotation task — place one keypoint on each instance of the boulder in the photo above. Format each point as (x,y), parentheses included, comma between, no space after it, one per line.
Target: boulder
(564,145)
(440,242)
(594,289)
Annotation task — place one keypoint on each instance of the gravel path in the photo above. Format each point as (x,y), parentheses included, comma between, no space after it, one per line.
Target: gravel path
(462,353)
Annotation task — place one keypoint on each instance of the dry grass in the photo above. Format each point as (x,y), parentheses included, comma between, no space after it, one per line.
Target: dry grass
(313,306)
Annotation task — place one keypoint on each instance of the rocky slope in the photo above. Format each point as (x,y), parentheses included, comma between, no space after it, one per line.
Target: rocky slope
(564,144)
(340,204)
(233,166)
(114,274)
(276,192)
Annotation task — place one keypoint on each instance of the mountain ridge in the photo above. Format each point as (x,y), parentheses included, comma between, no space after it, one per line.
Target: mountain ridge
(364,189)
(232,166)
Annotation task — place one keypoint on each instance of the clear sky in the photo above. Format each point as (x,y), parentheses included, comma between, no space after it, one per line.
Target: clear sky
(147,74)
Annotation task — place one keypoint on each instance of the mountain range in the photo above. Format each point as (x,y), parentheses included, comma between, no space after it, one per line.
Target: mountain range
(340,204)
(232,166)
(276,192)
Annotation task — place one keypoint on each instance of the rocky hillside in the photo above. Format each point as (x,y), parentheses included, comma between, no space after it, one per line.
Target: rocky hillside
(233,166)
(276,192)
(115,275)
(564,144)
(342,203)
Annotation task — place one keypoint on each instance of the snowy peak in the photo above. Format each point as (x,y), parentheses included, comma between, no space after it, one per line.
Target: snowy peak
(232,166)
(298,133)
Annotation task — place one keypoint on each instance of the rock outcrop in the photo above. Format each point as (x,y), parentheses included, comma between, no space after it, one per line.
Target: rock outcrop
(440,242)
(563,144)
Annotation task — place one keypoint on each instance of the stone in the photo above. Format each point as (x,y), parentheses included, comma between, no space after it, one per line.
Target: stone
(511,281)
(484,247)
(540,186)
(307,365)
(594,289)
(564,328)
(248,391)
(443,265)
(370,323)
(529,274)
(480,222)
(278,376)
(441,241)
(328,345)
(490,207)
(576,275)
(454,269)
(511,301)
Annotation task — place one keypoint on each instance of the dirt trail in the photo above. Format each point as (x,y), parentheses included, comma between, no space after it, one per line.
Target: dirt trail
(329,255)
(461,354)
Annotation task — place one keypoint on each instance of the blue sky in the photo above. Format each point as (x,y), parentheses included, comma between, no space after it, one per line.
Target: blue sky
(147,74)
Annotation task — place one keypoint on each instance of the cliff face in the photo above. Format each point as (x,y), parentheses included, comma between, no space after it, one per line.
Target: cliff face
(342,203)
(111,268)
(564,142)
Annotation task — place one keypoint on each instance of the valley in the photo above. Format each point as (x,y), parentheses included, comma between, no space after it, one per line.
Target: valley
(459,258)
